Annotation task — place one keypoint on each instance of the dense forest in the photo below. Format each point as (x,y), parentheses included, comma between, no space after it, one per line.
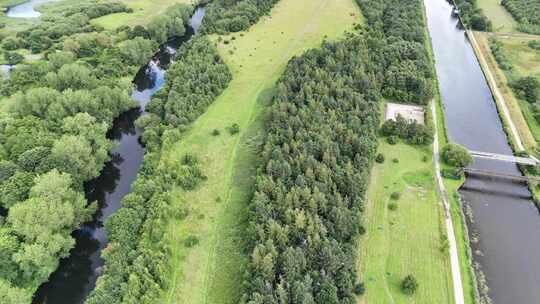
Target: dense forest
(321,141)
(224,16)
(137,257)
(53,135)
(526,12)
(319,149)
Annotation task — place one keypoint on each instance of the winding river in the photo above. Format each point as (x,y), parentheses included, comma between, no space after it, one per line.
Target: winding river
(76,275)
(26,9)
(505,224)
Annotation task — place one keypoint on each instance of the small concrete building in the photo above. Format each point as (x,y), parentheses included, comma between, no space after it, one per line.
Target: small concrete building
(409,112)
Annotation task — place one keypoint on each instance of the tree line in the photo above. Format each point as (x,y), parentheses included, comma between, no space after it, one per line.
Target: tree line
(137,259)
(526,12)
(225,16)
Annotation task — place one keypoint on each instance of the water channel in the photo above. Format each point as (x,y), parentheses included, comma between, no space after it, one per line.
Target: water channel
(505,226)
(26,9)
(76,275)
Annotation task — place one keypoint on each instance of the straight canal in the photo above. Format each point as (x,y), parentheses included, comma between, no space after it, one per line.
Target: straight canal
(76,275)
(505,225)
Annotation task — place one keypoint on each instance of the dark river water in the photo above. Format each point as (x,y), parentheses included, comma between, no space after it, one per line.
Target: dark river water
(76,275)
(505,222)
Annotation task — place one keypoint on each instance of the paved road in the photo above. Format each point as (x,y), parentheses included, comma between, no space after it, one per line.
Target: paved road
(454,258)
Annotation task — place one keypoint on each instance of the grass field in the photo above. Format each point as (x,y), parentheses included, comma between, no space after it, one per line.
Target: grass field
(499,16)
(143,12)
(525,62)
(407,240)
(212,271)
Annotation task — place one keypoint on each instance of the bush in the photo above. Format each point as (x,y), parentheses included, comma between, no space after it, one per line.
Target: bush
(454,173)
(380,158)
(392,140)
(456,156)
(411,131)
(359,289)
(409,285)
(393,206)
(395,195)
(395,160)
(215,132)
(527,88)
(191,241)
(13,58)
(234,129)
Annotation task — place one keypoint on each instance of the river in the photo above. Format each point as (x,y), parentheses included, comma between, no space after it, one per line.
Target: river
(505,226)
(76,275)
(26,9)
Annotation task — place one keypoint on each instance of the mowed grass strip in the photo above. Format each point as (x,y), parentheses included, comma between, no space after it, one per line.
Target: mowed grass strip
(143,12)
(212,271)
(407,240)
(499,16)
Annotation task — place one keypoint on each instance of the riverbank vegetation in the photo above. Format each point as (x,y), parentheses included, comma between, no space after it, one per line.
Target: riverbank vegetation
(526,12)
(473,16)
(54,140)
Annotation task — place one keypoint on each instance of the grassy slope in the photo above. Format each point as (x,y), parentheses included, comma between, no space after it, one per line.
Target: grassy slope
(211,272)
(407,240)
(528,129)
(499,16)
(144,11)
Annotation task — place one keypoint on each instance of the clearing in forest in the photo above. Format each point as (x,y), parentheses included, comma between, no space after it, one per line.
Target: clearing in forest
(212,270)
(502,20)
(144,11)
(408,239)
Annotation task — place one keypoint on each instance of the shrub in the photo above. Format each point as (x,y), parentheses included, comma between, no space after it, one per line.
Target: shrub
(395,195)
(456,156)
(392,206)
(392,139)
(409,285)
(359,289)
(191,241)
(395,160)
(215,132)
(13,58)
(527,88)
(234,129)
(380,158)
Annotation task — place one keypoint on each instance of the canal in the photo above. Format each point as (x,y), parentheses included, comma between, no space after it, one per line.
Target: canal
(76,275)
(505,225)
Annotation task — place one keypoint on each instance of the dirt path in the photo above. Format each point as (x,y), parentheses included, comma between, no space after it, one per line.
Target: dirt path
(454,260)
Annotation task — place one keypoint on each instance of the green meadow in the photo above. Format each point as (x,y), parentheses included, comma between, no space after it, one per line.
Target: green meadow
(212,271)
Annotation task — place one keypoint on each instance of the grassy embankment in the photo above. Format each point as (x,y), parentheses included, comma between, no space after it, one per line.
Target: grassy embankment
(143,12)
(525,62)
(212,271)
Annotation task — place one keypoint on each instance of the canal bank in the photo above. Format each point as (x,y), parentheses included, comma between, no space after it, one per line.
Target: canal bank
(503,224)
(76,275)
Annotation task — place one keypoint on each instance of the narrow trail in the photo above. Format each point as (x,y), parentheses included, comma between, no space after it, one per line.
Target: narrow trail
(454,258)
